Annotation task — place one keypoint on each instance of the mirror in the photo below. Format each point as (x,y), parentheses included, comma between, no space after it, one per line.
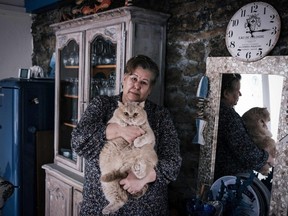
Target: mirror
(270,65)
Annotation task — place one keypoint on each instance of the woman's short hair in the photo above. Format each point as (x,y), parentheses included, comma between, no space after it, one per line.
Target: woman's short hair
(146,63)
(228,81)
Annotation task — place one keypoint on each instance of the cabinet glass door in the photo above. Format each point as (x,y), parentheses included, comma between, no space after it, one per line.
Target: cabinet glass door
(68,99)
(105,60)
(69,84)
(102,67)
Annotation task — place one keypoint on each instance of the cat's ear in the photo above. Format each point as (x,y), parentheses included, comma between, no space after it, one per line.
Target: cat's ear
(142,104)
(120,104)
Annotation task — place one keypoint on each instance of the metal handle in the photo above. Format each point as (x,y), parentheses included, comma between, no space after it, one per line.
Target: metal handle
(35,100)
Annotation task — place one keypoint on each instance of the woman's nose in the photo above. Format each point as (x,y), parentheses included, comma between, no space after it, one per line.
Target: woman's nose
(137,85)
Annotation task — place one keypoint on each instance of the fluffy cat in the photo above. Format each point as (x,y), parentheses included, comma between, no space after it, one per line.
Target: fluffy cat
(256,120)
(118,157)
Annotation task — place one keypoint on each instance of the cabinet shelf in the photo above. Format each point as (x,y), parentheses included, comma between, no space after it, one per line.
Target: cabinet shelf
(69,124)
(72,67)
(71,96)
(105,66)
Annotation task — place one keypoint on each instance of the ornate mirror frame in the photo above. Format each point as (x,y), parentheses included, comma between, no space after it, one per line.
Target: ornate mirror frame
(215,66)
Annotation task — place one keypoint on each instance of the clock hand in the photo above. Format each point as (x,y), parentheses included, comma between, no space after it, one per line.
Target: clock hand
(250,31)
(261,30)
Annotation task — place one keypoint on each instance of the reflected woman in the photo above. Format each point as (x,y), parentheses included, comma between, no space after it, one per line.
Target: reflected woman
(236,152)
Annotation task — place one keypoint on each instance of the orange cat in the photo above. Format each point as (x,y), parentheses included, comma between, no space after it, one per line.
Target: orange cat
(118,157)
(256,120)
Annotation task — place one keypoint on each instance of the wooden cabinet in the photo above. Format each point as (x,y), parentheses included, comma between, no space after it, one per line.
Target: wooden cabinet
(77,199)
(63,194)
(59,197)
(91,53)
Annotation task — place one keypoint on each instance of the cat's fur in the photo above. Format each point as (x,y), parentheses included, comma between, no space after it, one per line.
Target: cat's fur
(118,157)
(256,120)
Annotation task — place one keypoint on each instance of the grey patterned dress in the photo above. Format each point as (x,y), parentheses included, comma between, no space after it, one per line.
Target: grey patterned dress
(88,139)
(236,152)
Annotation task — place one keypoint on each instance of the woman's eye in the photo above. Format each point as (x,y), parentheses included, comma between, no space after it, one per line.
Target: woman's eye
(134,79)
(144,83)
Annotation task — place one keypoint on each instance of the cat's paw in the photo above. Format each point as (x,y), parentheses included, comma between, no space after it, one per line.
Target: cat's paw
(139,169)
(106,211)
(123,124)
(139,142)
(111,208)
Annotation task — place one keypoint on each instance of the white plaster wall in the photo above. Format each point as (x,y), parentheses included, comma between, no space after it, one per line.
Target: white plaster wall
(15,40)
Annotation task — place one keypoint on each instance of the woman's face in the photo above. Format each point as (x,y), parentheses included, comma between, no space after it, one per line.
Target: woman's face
(231,97)
(137,86)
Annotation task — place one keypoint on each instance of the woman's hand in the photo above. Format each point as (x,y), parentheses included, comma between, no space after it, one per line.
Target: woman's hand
(133,185)
(129,133)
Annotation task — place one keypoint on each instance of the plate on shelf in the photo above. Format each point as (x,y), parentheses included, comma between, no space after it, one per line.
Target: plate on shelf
(250,203)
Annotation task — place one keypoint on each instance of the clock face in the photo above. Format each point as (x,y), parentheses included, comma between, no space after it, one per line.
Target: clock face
(253,31)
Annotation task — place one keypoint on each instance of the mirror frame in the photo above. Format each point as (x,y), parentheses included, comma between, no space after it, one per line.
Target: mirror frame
(274,65)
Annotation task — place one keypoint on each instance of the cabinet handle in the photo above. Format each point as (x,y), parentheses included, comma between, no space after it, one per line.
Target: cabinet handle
(35,101)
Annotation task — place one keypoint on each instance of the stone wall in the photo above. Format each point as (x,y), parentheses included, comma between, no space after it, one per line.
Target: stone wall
(196,30)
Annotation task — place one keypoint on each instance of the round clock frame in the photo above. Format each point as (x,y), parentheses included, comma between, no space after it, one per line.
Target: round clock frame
(253,31)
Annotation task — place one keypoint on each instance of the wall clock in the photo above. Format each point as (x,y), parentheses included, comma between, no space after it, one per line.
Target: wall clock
(253,31)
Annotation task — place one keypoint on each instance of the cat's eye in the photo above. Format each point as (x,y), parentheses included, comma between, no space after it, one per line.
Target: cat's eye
(135,115)
(126,114)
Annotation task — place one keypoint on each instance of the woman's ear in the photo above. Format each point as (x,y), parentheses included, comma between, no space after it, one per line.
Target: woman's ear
(226,94)
(126,75)
(124,79)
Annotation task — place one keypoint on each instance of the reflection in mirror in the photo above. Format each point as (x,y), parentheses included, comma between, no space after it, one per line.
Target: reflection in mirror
(274,66)
(261,90)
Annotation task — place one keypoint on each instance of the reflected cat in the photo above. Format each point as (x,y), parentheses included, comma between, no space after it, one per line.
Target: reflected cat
(256,120)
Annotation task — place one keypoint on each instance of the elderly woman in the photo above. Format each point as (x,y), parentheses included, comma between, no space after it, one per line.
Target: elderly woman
(92,131)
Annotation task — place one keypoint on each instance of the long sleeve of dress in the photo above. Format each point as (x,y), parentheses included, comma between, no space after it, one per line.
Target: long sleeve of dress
(167,147)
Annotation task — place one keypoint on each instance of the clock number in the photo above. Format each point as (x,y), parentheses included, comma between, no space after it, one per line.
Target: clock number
(274,32)
(264,12)
(248,55)
(230,33)
(254,8)
(269,43)
(243,13)
(235,22)
(259,52)
(238,53)
(272,17)
(232,44)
